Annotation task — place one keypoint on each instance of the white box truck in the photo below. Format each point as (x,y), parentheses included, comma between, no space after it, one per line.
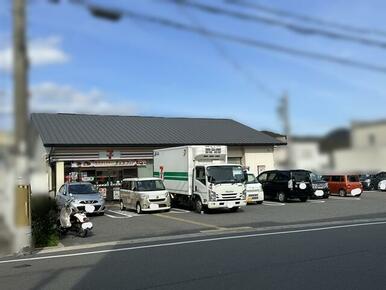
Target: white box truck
(199,176)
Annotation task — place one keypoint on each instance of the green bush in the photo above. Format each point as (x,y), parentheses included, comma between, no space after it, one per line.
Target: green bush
(44,215)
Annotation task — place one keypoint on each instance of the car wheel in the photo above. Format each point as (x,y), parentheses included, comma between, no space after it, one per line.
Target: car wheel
(102,213)
(198,205)
(83,233)
(121,205)
(281,197)
(342,193)
(138,208)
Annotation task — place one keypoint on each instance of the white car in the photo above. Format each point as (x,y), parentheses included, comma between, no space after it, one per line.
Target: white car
(144,194)
(254,189)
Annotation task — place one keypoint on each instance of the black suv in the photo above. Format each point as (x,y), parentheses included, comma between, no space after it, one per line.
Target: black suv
(376,179)
(319,186)
(286,184)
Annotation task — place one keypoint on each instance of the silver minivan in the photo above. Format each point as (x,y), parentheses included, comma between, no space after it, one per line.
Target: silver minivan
(144,194)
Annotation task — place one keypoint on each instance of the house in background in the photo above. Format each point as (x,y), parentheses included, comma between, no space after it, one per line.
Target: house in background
(367,152)
(305,153)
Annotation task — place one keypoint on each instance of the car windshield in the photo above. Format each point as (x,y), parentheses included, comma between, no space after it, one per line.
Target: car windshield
(301,176)
(353,178)
(316,177)
(150,185)
(251,178)
(225,174)
(81,189)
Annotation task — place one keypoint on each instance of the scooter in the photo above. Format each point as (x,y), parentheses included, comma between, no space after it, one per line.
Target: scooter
(71,219)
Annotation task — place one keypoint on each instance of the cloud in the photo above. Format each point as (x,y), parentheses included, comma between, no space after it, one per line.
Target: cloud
(52,97)
(41,51)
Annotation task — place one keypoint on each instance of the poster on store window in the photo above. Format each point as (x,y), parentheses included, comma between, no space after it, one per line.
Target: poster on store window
(116,194)
(102,191)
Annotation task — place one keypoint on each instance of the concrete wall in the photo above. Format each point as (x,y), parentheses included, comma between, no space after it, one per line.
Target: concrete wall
(40,181)
(258,156)
(360,160)
(307,155)
(372,135)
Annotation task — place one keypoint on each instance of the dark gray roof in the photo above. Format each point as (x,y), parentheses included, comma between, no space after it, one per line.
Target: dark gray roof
(102,130)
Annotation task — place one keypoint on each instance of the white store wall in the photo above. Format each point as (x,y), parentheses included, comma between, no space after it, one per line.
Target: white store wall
(255,156)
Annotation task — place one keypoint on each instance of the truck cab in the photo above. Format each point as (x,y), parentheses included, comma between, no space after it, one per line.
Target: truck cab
(219,186)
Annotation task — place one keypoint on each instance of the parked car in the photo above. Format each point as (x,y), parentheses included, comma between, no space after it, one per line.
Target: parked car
(382,185)
(319,186)
(80,194)
(286,184)
(254,189)
(377,179)
(144,194)
(344,185)
(365,179)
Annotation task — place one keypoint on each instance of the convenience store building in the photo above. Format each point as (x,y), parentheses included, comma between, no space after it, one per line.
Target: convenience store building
(104,149)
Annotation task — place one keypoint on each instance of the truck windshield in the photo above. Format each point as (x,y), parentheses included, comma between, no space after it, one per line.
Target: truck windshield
(150,185)
(225,174)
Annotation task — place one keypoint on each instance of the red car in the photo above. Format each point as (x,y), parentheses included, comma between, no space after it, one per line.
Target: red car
(344,185)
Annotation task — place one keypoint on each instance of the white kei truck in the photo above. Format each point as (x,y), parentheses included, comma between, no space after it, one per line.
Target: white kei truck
(199,177)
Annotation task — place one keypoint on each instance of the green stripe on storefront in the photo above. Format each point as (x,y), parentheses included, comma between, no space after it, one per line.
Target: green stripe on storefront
(183,176)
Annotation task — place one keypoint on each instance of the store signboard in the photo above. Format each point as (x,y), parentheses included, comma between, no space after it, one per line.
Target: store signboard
(108,163)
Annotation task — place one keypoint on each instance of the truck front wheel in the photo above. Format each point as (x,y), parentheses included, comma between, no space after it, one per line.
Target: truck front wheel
(198,207)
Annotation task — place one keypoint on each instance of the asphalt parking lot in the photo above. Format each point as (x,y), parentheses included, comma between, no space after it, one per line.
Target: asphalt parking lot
(118,225)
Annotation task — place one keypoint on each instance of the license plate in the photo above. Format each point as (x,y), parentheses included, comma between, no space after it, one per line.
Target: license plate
(319,193)
(356,191)
(154,206)
(249,199)
(231,204)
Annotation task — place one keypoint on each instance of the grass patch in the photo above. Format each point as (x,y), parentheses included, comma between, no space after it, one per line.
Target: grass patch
(44,215)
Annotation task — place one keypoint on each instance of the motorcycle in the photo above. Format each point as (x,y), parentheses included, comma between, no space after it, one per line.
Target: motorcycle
(73,220)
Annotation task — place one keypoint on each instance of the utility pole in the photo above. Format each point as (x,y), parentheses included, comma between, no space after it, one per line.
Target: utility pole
(283,111)
(20,66)
(21,207)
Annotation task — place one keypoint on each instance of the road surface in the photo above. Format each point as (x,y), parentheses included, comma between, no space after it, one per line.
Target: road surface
(333,257)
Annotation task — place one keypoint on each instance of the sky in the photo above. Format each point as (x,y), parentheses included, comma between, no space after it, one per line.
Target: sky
(80,63)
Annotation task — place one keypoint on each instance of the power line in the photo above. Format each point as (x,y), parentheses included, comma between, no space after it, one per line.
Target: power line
(298,16)
(222,52)
(299,29)
(241,40)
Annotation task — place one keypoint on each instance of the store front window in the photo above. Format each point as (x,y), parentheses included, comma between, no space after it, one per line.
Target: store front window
(107,178)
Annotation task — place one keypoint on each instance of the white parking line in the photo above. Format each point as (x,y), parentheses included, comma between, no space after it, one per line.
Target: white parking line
(117,217)
(349,198)
(119,214)
(115,214)
(316,201)
(178,210)
(271,203)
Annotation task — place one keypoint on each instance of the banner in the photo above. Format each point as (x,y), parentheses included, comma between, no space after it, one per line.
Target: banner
(108,163)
